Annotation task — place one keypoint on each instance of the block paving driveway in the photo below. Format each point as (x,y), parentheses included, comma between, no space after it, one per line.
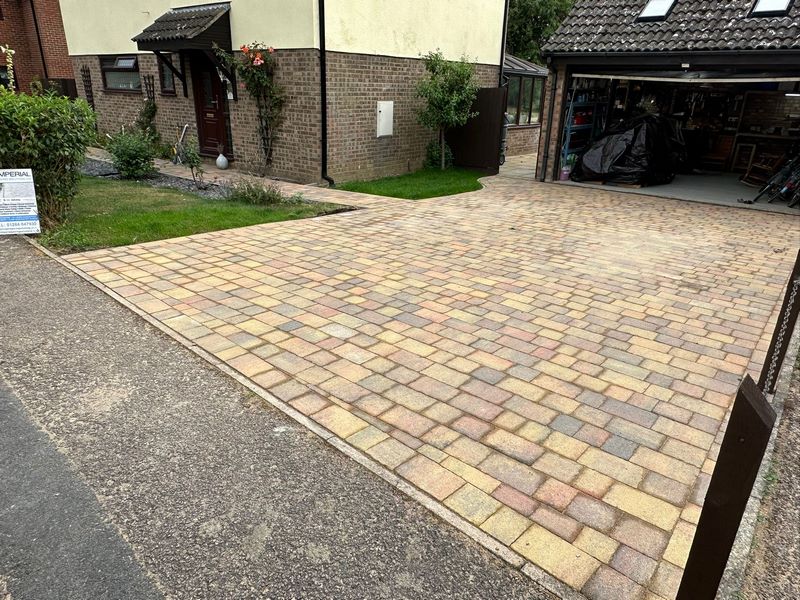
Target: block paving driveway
(552,363)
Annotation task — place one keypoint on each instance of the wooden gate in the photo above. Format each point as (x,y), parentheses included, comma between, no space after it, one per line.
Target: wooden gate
(477,144)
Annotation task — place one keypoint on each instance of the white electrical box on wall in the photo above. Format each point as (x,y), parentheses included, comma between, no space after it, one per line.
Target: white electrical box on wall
(385,118)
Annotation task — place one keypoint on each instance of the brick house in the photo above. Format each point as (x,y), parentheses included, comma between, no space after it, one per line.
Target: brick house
(370,53)
(725,73)
(33,29)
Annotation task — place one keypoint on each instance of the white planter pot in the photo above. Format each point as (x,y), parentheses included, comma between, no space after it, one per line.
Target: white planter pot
(222,162)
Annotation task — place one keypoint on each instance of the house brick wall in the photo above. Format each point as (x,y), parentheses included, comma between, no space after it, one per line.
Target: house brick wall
(769,109)
(297,148)
(18,30)
(549,153)
(356,82)
(522,140)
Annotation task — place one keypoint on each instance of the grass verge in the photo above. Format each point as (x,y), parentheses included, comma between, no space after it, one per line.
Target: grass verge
(426,183)
(109,213)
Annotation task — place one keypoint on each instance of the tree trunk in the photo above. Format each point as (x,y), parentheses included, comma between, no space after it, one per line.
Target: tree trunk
(441,147)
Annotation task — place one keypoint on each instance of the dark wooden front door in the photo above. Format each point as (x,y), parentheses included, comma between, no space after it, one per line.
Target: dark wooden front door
(209,102)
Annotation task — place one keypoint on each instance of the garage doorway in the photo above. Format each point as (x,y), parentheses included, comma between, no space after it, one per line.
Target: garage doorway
(729,133)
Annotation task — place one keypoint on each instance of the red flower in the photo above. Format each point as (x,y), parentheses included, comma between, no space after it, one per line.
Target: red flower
(245,49)
(270,49)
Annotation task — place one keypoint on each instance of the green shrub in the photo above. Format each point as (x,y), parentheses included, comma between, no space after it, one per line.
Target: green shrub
(132,154)
(433,156)
(193,161)
(165,151)
(249,192)
(146,121)
(49,134)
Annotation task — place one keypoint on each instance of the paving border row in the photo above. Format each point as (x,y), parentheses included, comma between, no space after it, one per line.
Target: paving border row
(532,571)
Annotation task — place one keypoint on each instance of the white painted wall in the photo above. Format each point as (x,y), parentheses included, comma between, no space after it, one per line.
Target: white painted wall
(405,28)
(409,28)
(107,26)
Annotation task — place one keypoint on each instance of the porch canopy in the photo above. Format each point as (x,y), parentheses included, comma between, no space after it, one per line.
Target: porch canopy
(188,28)
(200,27)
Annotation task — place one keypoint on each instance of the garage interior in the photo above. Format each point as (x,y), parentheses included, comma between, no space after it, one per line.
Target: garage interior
(731,133)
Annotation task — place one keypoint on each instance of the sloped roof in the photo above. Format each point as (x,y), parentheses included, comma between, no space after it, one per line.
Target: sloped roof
(692,25)
(518,66)
(183,23)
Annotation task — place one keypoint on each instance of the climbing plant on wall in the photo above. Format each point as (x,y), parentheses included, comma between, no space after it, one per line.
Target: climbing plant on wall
(255,68)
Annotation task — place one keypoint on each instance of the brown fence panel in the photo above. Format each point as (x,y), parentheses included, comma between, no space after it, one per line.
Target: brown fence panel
(476,145)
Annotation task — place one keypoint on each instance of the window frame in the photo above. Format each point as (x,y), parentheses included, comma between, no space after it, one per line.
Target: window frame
(655,18)
(164,70)
(769,13)
(529,110)
(115,69)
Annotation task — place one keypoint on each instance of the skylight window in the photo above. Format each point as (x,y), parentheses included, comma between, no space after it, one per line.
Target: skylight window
(657,10)
(771,7)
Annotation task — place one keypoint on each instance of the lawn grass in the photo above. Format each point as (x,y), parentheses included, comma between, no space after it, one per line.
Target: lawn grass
(426,183)
(109,212)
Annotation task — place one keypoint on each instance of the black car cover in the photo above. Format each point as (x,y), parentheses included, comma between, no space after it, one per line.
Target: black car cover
(643,150)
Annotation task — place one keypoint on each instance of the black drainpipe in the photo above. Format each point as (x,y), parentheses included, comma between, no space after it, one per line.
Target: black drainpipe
(543,173)
(323,93)
(39,39)
(504,42)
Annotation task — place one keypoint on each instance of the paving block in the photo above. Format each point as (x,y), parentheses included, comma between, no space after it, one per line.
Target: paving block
(608,584)
(596,544)
(430,477)
(565,445)
(473,504)
(680,543)
(513,445)
(613,466)
(633,564)
(646,507)
(341,422)
(391,453)
(556,494)
(506,525)
(470,474)
(556,556)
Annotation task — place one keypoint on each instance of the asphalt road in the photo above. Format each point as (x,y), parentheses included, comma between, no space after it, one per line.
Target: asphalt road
(174,480)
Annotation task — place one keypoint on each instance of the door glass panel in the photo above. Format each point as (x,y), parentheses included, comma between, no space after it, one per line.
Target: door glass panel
(208,91)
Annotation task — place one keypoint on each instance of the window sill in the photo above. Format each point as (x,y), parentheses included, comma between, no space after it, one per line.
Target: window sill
(115,91)
(530,126)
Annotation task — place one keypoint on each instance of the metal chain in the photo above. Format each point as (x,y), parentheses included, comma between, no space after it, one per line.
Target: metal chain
(773,365)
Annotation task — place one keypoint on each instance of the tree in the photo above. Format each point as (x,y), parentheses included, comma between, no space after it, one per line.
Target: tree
(530,23)
(449,91)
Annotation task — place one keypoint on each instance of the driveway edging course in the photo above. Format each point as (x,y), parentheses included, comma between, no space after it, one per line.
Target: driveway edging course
(513,559)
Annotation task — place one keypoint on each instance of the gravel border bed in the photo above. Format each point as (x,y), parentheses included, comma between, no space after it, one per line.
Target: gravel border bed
(211,191)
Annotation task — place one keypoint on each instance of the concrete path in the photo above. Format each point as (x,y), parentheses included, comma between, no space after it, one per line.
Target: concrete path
(215,495)
(552,363)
